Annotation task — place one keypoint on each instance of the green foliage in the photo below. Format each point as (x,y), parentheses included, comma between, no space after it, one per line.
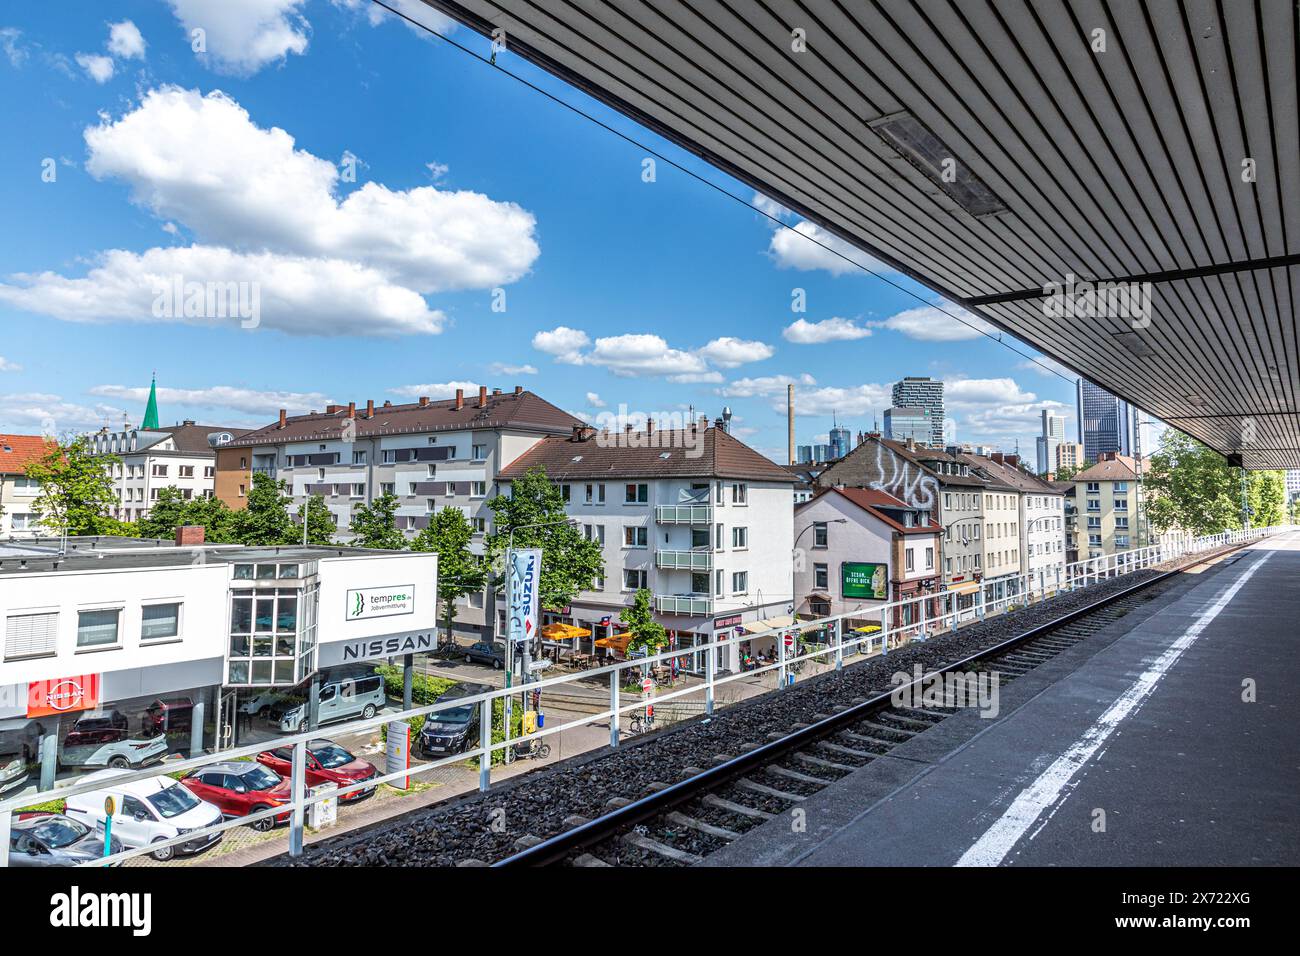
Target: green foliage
(375,525)
(425,689)
(49,806)
(170,510)
(460,571)
(265,522)
(1068,472)
(646,631)
(320,522)
(1191,487)
(570,563)
(76,489)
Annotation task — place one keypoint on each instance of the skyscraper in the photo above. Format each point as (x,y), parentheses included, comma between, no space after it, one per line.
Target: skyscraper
(1052,436)
(841,440)
(1105,422)
(904,423)
(916,391)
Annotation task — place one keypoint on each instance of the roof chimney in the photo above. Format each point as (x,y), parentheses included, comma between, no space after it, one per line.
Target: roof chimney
(482,396)
(370,408)
(460,399)
(188,535)
(352,409)
(649,426)
(284,415)
(424,401)
(496,391)
(704,422)
(519,390)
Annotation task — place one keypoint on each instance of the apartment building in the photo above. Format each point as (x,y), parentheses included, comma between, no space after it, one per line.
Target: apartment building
(694,515)
(1041,520)
(115,625)
(858,548)
(921,391)
(149,459)
(431,454)
(18,493)
(1069,454)
(1106,499)
(941,482)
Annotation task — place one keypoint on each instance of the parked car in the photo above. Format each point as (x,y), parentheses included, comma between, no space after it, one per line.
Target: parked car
(168,714)
(339,699)
(262,702)
(240,787)
(54,839)
(326,762)
(486,652)
(20,745)
(147,811)
(454,730)
(103,740)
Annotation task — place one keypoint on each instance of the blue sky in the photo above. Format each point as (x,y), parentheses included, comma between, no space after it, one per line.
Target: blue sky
(235,165)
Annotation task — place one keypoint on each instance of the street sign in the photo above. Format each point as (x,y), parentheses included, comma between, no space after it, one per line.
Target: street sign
(536,666)
(397,752)
(647,685)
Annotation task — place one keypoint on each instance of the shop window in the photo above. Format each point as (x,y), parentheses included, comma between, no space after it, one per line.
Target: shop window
(98,628)
(158,621)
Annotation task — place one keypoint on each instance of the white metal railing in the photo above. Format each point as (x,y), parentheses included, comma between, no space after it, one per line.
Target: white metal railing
(683,514)
(898,623)
(689,604)
(684,560)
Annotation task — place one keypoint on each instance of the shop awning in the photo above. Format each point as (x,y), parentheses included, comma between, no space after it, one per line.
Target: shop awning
(966,587)
(771,624)
(616,642)
(866,629)
(563,632)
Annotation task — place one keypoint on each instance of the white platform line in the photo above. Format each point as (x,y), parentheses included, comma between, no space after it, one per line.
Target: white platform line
(997,841)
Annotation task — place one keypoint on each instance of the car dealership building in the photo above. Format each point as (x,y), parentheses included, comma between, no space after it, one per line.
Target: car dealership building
(118,641)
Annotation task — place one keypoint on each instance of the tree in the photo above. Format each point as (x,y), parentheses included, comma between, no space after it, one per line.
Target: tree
(1266,495)
(646,631)
(1192,487)
(76,490)
(375,525)
(218,520)
(1068,472)
(166,514)
(265,521)
(535,510)
(460,571)
(320,521)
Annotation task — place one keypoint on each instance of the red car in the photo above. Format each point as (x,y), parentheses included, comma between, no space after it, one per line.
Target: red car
(326,761)
(238,788)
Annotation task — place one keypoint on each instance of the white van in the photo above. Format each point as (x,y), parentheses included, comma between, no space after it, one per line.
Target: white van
(340,698)
(147,811)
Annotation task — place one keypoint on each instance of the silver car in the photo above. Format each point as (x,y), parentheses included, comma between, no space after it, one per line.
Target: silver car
(52,839)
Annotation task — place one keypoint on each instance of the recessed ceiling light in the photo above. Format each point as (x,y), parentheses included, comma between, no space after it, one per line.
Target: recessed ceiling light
(919,146)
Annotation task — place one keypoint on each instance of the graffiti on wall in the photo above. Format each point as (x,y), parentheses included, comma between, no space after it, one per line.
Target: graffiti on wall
(904,480)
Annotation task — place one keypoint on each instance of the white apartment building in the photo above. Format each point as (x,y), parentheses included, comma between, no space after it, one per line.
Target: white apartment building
(1106,499)
(116,624)
(1041,520)
(430,454)
(18,493)
(694,515)
(179,456)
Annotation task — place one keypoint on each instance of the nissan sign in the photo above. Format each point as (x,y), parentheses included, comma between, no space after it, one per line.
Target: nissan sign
(366,603)
(523,584)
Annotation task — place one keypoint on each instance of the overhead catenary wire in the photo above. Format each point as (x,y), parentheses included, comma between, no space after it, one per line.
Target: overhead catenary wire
(772,217)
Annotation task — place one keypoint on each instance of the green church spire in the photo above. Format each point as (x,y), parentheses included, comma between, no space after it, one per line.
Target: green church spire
(151,410)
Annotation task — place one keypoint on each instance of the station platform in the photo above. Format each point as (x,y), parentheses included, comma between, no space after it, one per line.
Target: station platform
(1134,748)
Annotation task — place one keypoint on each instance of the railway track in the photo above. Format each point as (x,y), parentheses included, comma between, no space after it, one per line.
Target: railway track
(682,823)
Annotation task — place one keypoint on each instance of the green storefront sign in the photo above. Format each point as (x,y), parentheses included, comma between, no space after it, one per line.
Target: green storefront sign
(859,580)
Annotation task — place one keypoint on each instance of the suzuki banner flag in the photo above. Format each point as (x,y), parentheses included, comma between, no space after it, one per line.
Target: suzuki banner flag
(523,583)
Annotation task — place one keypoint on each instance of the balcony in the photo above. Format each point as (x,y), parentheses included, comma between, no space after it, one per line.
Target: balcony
(692,604)
(684,560)
(684,514)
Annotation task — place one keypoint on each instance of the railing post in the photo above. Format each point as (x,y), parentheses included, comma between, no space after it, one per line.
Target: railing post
(780,657)
(884,630)
(710,674)
(298,787)
(613,702)
(5,817)
(920,631)
(839,645)
(485,741)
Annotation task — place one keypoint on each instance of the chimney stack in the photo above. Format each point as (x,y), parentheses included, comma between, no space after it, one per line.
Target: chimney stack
(482,396)
(789,420)
(519,390)
(352,409)
(460,399)
(188,535)
(496,391)
(649,426)
(370,408)
(284,415)
(424,401)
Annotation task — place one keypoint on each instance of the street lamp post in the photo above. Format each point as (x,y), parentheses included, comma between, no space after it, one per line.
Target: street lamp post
(794,591)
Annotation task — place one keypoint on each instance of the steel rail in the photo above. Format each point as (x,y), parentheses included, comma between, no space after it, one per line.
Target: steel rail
(559,847)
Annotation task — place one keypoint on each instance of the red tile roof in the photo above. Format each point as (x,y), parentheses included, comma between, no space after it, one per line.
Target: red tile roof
(17,450)
(880,503)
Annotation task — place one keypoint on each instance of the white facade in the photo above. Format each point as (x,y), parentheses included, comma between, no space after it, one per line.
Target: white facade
(1042,536)
(1002,530)
(150,461)
(18,516)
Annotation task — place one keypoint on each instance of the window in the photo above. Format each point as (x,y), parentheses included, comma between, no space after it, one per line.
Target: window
(633,580)
(1094,487)
(911,560)
(160,621)
(478,452)
(821,535)
(929,559)
(717,582)
(1121,504)
(595,494)
(187,471)
(433,471)
(1094,504)
(478,489)
(565,492)
(636,494)
(1120,487)
(358,491)
(387,487)
(739,494)
(635,537)
(740,582)
(209,472)
(359,457)
(740,537)
(388,456)
(159,471)
(480,527)
(30,635)
(98,628)
(719,541)
(594,532)
(821,576)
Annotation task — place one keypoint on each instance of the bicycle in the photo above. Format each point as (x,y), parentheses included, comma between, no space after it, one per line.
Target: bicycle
(641,723)
(536,750)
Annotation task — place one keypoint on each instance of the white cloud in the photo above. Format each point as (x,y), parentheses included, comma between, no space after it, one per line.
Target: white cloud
(964,393)
(770,206)
(594,400)
(562,342)
(99,68)
(414,9)
(1047,366)
(807,246)
(929,323)
(803,332)
(13,50)
(764,385)
(728,351)
(125,41)
(249,401)
(202,161)
(863,400)
(38,413)
(437,390)
(437,171)
(8,366)
(295,294)
(499,368)
(242,36)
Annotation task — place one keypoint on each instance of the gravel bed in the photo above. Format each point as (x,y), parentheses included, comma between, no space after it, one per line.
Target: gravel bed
(485,827)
